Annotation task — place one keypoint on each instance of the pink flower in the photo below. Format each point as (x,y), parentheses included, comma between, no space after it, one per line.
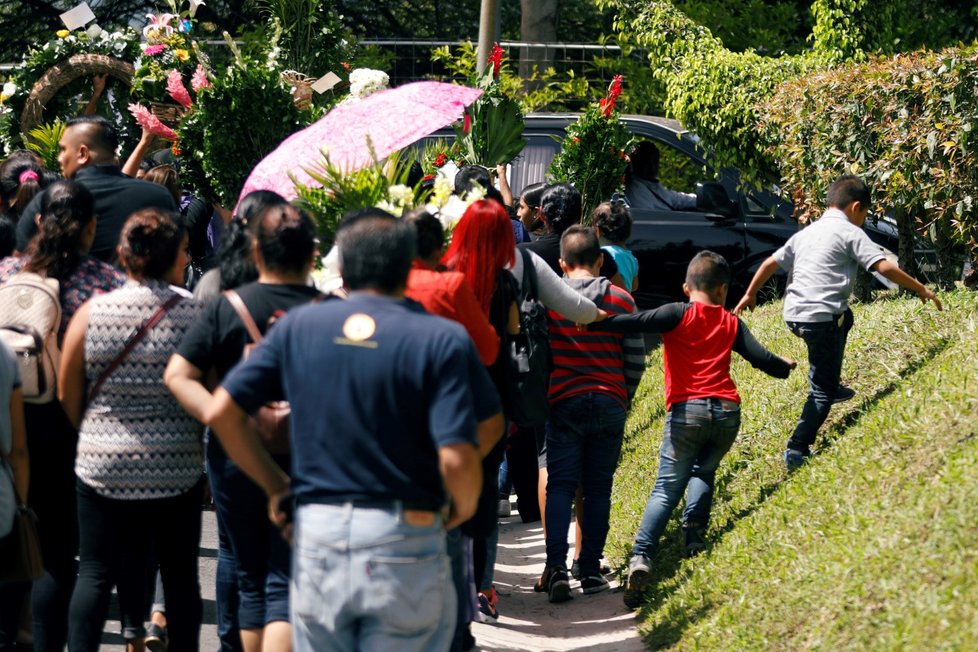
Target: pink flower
(199,80)
(176,89)
(153,50)
(466,123)
(151,123)
(496,59)
(158,26)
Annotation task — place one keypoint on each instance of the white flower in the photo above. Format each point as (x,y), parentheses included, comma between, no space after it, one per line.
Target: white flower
(474,195)
(442,190)
(364,81)
(385,205)
(120,46)
(400,194)
(93,31)
(9,89)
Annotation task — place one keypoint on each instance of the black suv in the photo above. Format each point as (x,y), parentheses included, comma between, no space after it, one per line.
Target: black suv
(745,226)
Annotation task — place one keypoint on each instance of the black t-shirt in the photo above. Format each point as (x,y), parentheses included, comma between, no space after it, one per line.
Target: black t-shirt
(217,339)
(548,248)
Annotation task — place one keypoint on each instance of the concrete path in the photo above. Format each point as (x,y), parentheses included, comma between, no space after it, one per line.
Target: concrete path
(528,621)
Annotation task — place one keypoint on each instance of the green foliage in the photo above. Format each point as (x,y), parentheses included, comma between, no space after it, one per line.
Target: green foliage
(44,140)
(904,124)
(315,39)
(235,123)
(867,547)
(592,156)
(540,90)
(491,131)
(382,184)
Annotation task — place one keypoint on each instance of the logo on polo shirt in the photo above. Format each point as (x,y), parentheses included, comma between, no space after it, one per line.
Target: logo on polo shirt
(358,328)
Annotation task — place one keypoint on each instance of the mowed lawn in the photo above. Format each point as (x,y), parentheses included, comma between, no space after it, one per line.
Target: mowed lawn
(874,544)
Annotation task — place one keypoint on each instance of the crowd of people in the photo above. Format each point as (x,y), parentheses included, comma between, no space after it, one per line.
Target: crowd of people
(352,441)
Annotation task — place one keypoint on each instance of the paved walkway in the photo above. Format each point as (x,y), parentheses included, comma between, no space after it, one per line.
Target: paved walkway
(529,622)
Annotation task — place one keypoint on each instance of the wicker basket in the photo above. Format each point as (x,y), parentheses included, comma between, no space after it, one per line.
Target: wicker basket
(62,74)
(168,114)
(301,88)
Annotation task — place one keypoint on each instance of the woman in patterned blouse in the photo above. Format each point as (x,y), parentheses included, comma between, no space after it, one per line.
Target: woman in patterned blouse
(139,462)
(59,251)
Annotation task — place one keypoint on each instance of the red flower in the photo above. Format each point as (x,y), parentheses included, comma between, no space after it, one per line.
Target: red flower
(441,159)
(496,59)
(607,104)
(176,151)
(467,123)
(575,139)
(428,177)
(345,65)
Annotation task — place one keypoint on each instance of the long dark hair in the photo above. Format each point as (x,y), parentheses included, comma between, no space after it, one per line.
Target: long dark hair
(234,251)
(21,177)
(67,207)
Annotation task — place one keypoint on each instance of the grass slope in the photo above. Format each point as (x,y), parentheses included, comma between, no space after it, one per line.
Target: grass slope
(872,545)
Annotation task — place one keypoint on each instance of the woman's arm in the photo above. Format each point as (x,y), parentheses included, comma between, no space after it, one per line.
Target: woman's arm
(185,382)
(504,188)
(19,460)
(558,296)
(71,375)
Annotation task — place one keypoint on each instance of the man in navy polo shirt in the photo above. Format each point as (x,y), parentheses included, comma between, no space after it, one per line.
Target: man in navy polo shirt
(389,405)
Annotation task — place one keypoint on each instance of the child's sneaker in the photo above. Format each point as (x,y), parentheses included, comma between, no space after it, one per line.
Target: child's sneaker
(843,394)
(693,541)
(487,607)
(594,583)
(794,460)
(556,583)
(639,580)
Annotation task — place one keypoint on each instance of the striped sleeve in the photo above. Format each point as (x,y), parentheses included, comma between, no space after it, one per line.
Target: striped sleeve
(633,345)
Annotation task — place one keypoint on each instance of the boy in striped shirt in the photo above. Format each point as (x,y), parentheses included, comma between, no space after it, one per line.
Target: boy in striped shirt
(594,377)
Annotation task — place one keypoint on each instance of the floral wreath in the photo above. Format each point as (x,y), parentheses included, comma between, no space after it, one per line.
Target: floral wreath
(122,45)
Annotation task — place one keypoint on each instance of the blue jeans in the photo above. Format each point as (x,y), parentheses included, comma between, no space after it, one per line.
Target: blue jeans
(364,579)
(226,580)
(698,434)
(826,342)
(584,436)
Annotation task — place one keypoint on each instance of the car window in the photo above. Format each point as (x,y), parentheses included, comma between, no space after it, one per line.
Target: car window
(677,171)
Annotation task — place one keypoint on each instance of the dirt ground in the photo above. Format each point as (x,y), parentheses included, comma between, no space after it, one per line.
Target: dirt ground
(528,621)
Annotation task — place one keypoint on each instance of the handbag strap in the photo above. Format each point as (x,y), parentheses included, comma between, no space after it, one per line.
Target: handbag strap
(249,322)
(147,326)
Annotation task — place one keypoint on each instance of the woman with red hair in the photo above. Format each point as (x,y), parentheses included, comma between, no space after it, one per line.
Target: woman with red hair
(482,248)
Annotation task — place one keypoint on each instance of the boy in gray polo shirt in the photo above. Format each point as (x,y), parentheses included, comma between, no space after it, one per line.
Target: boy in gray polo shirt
(823,259)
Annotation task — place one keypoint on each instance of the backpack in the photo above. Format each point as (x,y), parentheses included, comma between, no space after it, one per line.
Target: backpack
(30,314)
(530,361)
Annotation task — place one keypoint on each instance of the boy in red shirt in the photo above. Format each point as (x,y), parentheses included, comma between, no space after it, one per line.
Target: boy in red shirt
(702,402)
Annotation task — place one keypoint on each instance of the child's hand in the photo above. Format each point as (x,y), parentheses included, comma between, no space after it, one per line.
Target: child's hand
(749,302)
(791,363)
(602,315)
(926,294)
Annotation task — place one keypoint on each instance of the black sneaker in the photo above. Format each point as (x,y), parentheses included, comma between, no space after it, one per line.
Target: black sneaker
(794,459)
(843,394)
(639,580)
(693,541)
(155,640)
(594,584)
(575,570)
(558,586)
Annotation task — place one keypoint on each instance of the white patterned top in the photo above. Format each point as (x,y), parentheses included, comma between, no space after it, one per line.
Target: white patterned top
(135,441)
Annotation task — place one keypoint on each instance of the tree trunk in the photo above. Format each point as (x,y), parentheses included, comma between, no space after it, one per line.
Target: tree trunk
(538,25)
(906,232)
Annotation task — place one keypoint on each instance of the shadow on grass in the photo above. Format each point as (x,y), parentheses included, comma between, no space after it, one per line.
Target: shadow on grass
(669,559)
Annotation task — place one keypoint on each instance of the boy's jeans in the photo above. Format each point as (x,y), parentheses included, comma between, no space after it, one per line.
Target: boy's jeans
(826,342)
(584,436)
(698,433)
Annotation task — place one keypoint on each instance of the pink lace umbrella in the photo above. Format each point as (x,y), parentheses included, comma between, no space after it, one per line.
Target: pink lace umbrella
(389,120)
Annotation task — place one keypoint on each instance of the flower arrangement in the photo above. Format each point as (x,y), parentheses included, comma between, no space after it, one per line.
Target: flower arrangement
(120,44)
(491,130)
(236,119)
(169,47)
(593,154)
